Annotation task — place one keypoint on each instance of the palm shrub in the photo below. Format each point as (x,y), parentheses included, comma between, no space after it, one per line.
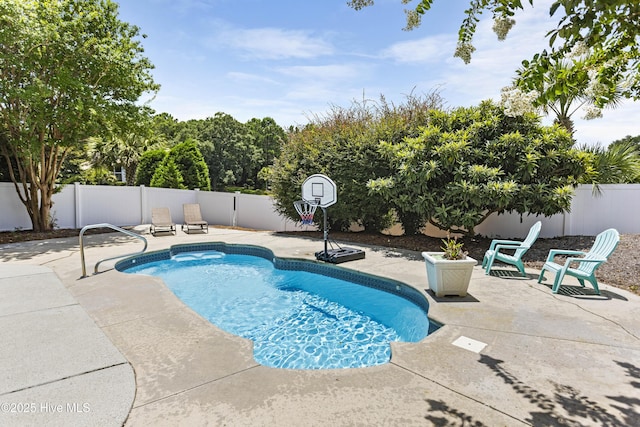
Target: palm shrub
(619,163)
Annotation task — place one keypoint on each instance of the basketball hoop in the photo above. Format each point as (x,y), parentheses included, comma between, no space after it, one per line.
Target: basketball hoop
(306,210)
(320,190)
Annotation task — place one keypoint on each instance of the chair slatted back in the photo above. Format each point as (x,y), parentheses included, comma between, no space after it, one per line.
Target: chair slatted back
(160,216)
(534,231)
(604,245)
(192,212)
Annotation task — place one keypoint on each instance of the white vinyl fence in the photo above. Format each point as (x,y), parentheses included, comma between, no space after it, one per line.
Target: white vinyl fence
(79,205)
(616,207)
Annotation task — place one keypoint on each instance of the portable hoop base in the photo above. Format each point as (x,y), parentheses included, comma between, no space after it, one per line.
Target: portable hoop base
(336,256)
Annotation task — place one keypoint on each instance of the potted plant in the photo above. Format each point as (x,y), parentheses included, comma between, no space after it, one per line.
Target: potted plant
(449,271)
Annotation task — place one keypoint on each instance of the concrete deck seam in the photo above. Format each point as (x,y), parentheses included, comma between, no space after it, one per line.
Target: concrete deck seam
(65,378)
(611,321)
(194,387)
(69,255)
(40,310)
(27,275)
(458,393)
(133,319)
(554,296)
(537,336)
(153,316)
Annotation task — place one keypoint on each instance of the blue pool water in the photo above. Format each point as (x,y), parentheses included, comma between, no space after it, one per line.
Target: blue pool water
(296,319)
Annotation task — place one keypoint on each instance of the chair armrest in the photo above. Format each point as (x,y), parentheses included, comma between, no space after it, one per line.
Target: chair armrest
(510,247)
(554,252)
(503,242)
(572,259)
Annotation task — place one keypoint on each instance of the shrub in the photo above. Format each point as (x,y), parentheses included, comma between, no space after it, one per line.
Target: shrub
(344,146)
(167,175)
(472,162)
(191,164)
(149,162)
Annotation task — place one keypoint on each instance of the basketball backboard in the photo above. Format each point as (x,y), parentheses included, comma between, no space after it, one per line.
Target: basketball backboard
(321,189)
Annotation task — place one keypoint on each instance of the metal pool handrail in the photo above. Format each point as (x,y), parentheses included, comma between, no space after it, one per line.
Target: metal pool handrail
(113,227)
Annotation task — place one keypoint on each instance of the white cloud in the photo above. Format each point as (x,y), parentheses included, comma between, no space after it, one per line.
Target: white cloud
(322,72)
(424,50)
(249,78)
(614,125)
(274,43)
(493,64)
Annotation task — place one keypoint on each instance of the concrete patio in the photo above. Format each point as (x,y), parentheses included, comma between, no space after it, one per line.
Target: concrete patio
(113,349)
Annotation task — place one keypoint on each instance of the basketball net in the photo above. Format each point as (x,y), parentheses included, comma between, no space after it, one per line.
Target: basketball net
(306,210)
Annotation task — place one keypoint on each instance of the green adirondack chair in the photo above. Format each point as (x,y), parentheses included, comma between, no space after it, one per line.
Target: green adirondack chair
(519,248)
(587,262)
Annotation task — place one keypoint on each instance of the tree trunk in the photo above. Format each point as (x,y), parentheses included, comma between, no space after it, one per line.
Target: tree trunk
(130,172)
(38,203)
(565,122)
(35,183)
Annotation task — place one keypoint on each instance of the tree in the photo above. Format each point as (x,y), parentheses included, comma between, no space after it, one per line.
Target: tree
(268,138)
(609,28)
(566,88)
(231,152)
(69,69)
(124,151)
(73,168)
(167,175)
(234,152)
(163,128)
(191,164)
(472,162)
(149,163)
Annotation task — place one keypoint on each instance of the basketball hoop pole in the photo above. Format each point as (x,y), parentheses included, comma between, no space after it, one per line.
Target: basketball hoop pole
(320,190)
(326,231)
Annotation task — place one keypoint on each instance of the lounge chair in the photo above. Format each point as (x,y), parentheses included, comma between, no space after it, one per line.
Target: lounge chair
(520,248)
(161,221)
(587,262)
(193,218)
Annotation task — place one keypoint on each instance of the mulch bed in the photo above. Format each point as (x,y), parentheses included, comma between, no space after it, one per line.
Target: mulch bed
(622,270)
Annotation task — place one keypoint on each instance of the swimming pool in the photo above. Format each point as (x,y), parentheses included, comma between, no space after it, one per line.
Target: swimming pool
(299,314)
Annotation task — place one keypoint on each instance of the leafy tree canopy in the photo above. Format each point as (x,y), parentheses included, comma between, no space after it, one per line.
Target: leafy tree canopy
(609,29)
(149,162)
(69,69)
(191,164)
(167,175)
(231,153)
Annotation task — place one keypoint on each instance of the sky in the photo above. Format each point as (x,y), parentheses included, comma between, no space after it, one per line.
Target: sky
(294,60)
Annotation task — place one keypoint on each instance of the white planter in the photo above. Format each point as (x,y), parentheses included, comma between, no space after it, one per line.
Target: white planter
(448,277)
